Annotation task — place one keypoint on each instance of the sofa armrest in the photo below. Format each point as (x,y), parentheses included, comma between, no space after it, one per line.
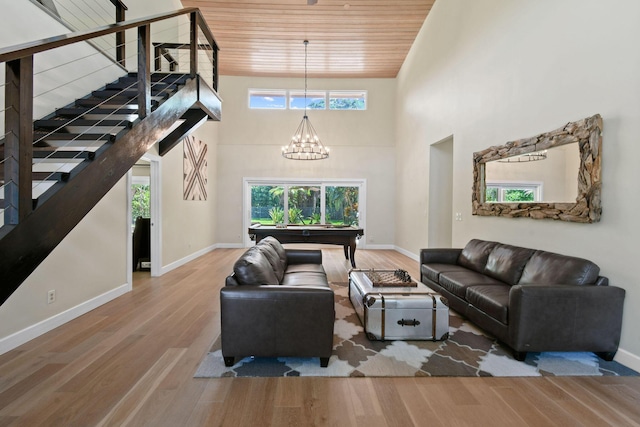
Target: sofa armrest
(231,280)
(560,317)
(439,255)
(274,320)
(304,256)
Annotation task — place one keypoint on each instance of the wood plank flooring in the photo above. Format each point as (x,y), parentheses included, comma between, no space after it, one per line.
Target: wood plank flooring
(131,363)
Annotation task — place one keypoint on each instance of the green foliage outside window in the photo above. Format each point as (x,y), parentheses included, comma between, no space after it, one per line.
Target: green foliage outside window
(141,201)
(491,194)
(342,205)
(518,195)
(509,195)
(346,104)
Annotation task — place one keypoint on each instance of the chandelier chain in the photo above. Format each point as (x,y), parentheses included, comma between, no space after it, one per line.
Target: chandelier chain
(306,42)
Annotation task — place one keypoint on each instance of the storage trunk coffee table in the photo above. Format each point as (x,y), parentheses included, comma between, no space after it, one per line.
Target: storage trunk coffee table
(391,306)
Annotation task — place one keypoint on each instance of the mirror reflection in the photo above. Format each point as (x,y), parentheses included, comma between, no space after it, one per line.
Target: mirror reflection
(545,176)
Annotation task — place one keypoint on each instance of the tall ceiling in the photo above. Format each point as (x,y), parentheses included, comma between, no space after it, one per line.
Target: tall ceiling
(347,38)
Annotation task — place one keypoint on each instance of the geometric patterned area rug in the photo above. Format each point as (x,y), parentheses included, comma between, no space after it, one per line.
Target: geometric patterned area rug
(468,352)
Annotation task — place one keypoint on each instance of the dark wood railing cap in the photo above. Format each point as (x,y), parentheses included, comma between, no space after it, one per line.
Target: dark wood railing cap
(31,48)
(117,3)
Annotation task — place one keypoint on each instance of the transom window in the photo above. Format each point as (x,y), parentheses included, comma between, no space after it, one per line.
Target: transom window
(294,99)
(268,99)
(316,100)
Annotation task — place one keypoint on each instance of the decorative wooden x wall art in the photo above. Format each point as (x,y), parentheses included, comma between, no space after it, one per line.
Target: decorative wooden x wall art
(195,169)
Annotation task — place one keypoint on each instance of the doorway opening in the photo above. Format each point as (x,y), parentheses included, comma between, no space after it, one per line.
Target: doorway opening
(144,213)
(440,223)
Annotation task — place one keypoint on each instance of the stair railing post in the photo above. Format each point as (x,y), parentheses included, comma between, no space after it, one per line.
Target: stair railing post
(215,67)
(193,46)
(18,147)
(144,70)
(120,36)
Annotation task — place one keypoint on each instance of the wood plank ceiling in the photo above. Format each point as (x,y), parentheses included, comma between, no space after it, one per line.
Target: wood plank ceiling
(347,38)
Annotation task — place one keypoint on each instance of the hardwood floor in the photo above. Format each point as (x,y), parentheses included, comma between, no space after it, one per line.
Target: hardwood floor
(131,362)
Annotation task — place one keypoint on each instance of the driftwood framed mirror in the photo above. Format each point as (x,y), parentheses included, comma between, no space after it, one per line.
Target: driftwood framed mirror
(513,180)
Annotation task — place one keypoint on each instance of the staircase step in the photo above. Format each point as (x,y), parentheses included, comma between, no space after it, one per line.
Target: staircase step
(38,188)
(125,111)
(59,153)
(45,138)
(43,176)
(169,78)
(132,84)
(75,145)
(60,123)
(54,165)
(117,102)
(127,94)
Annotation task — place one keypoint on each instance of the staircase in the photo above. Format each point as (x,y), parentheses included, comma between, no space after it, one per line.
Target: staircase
(82,150)
(74,136)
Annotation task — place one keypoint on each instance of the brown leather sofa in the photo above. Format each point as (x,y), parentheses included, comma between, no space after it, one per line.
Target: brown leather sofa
(531,300)
(277,303)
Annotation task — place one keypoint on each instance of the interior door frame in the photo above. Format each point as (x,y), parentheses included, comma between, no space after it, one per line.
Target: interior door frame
(155,172)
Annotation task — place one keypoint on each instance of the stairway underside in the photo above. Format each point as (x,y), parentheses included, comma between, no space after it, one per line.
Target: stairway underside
(25,245)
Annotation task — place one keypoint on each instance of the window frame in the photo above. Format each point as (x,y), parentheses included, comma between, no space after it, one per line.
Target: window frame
(503,186)
(310,94)
(289,182)
(316,93)
(267,92)
(341,93)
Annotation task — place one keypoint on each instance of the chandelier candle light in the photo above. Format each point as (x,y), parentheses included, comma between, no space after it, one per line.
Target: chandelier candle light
(305,143)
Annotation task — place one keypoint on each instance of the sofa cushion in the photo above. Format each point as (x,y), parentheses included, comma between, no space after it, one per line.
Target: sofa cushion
(275,244)
(492,300)
(304,268)
(474,255)
(252,268)
(457,282)
(305,278)
(274,260)
(555,269)
(432,271)
(506,262)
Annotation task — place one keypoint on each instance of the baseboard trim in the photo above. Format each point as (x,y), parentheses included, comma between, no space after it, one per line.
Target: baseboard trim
(407,253)
(179,263)
(230,246)
(369,246)
(628,359)
(27,334)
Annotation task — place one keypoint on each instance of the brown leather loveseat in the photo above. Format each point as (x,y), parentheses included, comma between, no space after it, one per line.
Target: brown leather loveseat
(277,303)
(531,300)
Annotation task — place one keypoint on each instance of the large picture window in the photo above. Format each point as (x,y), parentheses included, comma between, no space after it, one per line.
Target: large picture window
(330,202)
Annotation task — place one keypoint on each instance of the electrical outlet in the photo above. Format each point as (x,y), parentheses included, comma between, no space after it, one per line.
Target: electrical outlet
(458,216)
(51,296)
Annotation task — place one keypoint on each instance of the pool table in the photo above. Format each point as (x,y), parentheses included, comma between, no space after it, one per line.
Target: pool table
(330,234)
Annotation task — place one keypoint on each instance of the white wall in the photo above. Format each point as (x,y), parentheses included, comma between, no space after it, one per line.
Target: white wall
(492,71)
(361,144)
(188,226)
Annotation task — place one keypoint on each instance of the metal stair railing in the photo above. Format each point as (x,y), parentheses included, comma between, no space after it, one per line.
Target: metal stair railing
(81,15)
(126,117)
(19,93)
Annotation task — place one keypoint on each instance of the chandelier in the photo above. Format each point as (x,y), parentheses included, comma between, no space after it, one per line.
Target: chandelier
(527,157)
(305,143)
